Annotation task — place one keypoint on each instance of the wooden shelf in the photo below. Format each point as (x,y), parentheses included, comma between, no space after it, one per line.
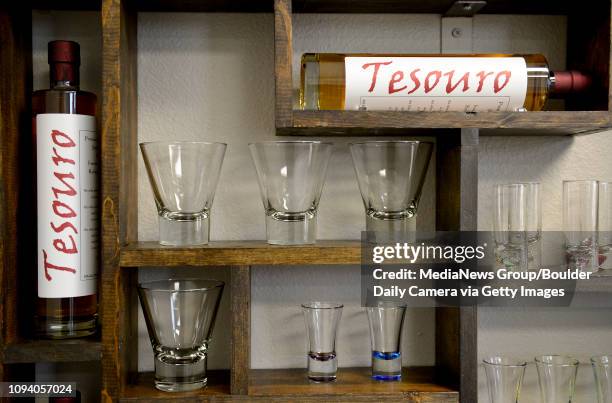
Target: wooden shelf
(336,123)
(144,390)
(236,253)
(77,350)
(353,384)
(325,6)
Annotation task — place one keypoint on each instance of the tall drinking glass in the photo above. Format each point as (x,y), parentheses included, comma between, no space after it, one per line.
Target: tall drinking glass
(322,319)
(180,315)
(291,176)
(504,378)
(518,226)
(605,225)
(183,176)
(557,378)
(580,210)
(391,176)
(602,369)
(386,321)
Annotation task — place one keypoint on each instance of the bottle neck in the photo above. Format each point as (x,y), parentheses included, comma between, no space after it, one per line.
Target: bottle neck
(64,76)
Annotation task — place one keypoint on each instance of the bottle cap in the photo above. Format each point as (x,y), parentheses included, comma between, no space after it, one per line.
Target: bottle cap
(64,52)
(570,81)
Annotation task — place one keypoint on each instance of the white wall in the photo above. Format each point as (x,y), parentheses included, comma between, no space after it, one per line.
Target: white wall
(210,77)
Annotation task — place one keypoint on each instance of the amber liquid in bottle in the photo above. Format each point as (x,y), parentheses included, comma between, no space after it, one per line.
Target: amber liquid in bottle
(323,79)
(64,317)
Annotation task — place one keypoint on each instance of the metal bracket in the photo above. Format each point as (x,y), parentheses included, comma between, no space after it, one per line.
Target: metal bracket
(456,35)
(465,8)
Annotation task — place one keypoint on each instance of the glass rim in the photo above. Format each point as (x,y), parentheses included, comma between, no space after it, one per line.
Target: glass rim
(150,285)
(388,305)
(581,181)
(572,362)
(279,142)
(172,142)
(327,305)
(386,142)
(597,360)
(499,185)
(516,363)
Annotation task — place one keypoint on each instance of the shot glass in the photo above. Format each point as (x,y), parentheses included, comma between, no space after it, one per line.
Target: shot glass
(291,176)
(504,378)
(602,369)
(580,224)
(391,176)
(386,321)
(517,226)
(180,315)
(605,225)
(322,319)
(183,176)
(557,378)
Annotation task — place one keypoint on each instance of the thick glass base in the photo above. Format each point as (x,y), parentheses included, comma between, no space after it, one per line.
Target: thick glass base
(62,328)
(386,366)
(322,367)
(179,375)
(400,229)
(184,230)
(291,228)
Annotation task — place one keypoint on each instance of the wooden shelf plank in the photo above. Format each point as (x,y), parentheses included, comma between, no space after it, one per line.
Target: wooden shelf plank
(329,6)
(353,384)
(235,253)
(491,123)
(77,350)
(144,389)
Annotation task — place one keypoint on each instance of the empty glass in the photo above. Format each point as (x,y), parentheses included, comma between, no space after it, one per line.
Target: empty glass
(580,205)
(386,321)
(391,176)
(557,378)
(180,315)
(504,378)
(602,370)
(517,225)
(291,176)
(184,178)
(605,225)
(322,319)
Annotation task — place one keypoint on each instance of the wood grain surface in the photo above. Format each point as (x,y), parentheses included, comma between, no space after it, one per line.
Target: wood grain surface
(119,197)
(76,350)
(15,172)
(229,253)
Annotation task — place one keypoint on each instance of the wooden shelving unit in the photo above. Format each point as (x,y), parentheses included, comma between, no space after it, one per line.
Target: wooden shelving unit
(454,375)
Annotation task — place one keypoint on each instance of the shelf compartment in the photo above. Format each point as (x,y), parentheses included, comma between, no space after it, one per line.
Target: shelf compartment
(77,350)
(143,390)
(353,384)
(336,123)
(235,253)
(588,50)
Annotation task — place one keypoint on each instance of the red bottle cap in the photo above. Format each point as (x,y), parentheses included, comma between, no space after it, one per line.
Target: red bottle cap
(64,52)
(64,61)
(570,81)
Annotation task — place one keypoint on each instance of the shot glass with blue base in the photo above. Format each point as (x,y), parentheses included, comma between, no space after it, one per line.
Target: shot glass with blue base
(386,320)
(322,319)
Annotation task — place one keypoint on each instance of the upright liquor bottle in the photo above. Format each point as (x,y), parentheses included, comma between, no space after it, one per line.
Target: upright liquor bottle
(433,83)
(67,199)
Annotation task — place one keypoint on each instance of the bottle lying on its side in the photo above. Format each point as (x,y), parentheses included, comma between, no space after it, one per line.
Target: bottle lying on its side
(433,83)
